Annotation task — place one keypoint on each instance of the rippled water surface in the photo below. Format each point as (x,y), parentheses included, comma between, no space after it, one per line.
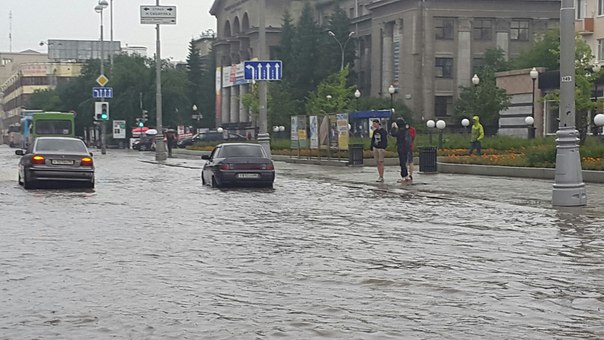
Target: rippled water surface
(151,253)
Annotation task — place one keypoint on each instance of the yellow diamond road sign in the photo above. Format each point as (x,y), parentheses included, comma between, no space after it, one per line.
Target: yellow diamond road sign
(102,80)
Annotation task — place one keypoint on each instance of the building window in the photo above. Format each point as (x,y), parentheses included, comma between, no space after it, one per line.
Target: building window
(443,106)
(519,30)
(443,28)
(444,67)
(600,7)
(483,29)
(581,8)
(600,54)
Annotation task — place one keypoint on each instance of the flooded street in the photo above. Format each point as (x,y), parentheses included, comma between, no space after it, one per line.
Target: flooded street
(151,253)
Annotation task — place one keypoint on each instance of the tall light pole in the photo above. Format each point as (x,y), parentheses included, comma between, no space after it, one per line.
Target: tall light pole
(531,129)
(391,90)
(264,138)
(357,95)
(342,46)
(568,188)
(160,147)
(111,34)
(99,9)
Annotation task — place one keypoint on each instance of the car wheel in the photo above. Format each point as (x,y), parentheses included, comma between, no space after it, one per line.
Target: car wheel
(215,183)
(28,183)
(203,180)
(19,180)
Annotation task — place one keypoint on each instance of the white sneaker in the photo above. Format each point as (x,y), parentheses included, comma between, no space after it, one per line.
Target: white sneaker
(380,179)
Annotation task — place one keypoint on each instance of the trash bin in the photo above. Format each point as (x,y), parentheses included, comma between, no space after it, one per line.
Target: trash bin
(355,154)
(427,159)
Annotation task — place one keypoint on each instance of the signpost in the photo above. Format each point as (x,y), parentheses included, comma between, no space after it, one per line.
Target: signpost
(102,92)
(158,15)
(263,70)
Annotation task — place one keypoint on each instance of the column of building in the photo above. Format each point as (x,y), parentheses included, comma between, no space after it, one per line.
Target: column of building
(464,53)
(387,57)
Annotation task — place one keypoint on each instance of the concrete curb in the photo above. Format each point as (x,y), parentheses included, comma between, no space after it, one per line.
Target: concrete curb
(453,168)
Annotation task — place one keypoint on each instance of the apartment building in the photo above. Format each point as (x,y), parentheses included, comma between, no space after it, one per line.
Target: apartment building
(427,49)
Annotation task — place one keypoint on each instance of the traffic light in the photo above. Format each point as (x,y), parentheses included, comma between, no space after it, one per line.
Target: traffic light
(101,111)
(140,122)
(105,111)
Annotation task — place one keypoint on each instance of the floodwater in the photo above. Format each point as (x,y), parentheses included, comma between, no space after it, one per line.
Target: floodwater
(151,253)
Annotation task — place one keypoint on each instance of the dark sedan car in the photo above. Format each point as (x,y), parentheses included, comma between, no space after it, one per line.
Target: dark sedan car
(56,159)
(238,164)
(209,136)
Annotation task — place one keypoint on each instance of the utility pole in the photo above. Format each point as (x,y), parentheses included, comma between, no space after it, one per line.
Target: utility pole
(160,150)
(569,189)
(263,136)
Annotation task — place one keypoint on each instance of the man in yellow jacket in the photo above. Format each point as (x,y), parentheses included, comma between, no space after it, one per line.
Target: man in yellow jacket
(477,136)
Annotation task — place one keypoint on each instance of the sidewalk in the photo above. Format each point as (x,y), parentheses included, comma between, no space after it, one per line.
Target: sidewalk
(447,186)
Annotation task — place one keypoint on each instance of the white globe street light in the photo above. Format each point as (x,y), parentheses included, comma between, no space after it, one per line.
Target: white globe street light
(275,129)
(596,68)
(529,120)
(357,94)
(430,123)
(599,119)
(440,125)
(281,128)
(465,122)
(475,80)
(220,129)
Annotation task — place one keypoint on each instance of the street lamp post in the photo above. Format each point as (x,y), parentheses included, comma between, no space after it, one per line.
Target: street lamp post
(568,189)
(599,120)
(357,95)
(440,125)
(342,47)
(430,124)
(99,9)
(596,69)
(531,127)
(465,123)
(391,90)
(264,138)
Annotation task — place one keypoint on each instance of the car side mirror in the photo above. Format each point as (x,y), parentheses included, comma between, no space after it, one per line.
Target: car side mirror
(206,157)
(19,152)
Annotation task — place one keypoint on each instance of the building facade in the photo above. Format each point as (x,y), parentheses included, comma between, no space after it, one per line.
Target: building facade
(427,49)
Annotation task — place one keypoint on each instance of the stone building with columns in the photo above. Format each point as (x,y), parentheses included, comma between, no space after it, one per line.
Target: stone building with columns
(427,49)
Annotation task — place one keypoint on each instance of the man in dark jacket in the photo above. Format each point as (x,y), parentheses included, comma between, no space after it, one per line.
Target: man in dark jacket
(379,142)
(403,144)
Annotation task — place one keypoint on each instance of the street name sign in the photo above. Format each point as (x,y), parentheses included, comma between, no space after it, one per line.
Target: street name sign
(102,92)
(158,15)
(263,70)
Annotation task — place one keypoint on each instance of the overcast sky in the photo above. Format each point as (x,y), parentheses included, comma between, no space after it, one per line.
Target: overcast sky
(39,20)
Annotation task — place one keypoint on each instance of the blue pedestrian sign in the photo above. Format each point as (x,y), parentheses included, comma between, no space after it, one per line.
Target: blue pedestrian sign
(102,92)
(262,70)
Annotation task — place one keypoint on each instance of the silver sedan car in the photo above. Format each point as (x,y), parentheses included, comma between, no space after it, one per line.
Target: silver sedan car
(56,159)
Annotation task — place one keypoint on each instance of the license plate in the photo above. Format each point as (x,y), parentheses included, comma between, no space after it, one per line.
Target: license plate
(248,175)
(61,162)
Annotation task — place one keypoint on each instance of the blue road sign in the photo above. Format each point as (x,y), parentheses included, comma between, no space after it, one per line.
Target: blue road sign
(102,92)
(262,70)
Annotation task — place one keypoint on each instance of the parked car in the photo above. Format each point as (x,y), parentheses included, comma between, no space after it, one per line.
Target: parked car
(238,164)
(210,136)
(56,159)
(144,144)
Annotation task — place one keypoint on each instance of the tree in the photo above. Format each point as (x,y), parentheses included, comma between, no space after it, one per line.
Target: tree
(486,99)
(339,94)
(584,78)
(305,55)
(339,24)
(544,53)
(194,76)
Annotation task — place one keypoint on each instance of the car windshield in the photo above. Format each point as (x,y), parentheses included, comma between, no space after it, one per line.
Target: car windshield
(68,145)
(241,151)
